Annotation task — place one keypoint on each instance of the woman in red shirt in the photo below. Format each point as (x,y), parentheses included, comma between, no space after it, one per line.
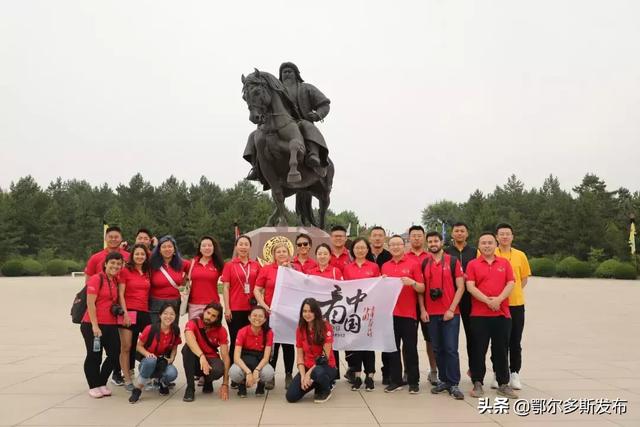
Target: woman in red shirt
(361,268)
(205,269)
(324,269)
(238,281)
(168,270)
(264,290)
(133,290)
(303,261)
(157,342)
(98,326)
(251,357)
(314,347)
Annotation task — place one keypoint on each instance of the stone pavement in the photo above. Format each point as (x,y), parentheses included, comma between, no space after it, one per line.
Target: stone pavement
(581,342)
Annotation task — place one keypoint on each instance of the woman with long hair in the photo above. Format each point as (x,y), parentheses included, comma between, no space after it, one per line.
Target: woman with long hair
(315,361)
(168,270)
(264,291)
(362,267)
(99,325)
(252,352)
(133,290)
(204,271)
(158,344)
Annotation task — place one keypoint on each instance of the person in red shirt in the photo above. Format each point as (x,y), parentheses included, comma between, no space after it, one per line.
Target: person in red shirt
(404,318)
(314,348)
(112,238)
(99,328)
(168,270)
(252,352)
(361,268)
(339,253)
(158,342)
(444,287)
(304,262)
(207,350)
(238,281)
(490,280)
(204,271)
(133,290)
(264,290)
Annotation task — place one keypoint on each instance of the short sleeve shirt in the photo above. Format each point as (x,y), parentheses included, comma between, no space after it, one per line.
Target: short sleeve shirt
(95,264)
(312,351)
(251,341)
(437,275)
(408,298)
(204,283)
(106,292)
(161,288)
(308,265)
(330,272)
(136,289)
(162,344)
(354,271)
(237,274)
(521,270)
(490,279)
(217,335)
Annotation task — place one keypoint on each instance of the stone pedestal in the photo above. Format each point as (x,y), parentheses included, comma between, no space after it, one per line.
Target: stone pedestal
(263,238)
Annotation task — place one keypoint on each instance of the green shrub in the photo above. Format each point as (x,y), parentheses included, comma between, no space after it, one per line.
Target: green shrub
(543,267)
(579,268)
(13,268)
(56,267)
(607,269)
(562,268)
(32,267)
(625,271)
(72,266)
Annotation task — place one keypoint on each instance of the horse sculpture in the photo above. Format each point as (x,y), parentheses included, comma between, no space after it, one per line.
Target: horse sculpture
(280,149)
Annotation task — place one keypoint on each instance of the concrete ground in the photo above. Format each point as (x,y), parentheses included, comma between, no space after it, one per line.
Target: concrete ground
(581,341)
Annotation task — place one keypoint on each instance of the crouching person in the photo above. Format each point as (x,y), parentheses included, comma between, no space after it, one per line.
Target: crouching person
(252,352)
(206,352)
(158,345)
(315,359)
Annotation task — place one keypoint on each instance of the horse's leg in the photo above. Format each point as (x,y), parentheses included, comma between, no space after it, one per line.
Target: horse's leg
(281,212)
(324,199)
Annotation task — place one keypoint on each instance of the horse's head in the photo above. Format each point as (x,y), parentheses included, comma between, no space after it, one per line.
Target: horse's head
(257,94)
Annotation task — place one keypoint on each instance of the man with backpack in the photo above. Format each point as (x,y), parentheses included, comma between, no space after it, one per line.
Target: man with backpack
(444,286)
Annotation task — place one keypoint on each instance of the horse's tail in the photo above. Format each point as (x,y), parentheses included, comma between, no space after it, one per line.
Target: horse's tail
(304,210)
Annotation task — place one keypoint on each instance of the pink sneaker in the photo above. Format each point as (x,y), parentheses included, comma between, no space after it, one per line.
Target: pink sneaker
(104,390)
(95,393)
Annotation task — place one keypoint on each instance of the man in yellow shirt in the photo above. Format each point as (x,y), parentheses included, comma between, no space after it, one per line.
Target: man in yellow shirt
(521,271)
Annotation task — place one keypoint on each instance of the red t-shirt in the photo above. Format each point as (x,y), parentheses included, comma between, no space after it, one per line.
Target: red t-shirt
(107,295)
(250,341)
(435,273)
(366,270)
(330,272)
(136,290)
(408,298)
(217,335)
(163,345)
(204,283)
(236,274)
(311,351)
(341,260)
(490,279)
(267,280)
(95,264)
(161,288)
(308,265)
(418,258)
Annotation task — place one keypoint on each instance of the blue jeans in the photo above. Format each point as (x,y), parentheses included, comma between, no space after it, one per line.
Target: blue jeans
(444,339)
(148,365)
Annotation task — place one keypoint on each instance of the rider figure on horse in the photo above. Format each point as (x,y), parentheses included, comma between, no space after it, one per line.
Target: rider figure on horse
(307,105)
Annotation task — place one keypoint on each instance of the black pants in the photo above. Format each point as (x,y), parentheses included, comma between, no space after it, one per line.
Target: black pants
(336,355)
(96,370)
(405,331)
(497,330)
(362,359)
(239,319)
(465,311)
(288,352)
(191,365)
(322,377)
(515,348)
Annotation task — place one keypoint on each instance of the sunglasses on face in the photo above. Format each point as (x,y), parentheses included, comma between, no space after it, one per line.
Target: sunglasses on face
(301,244)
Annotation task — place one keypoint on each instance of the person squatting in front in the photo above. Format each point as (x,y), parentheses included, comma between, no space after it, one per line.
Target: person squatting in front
(207,351)
(158,345)
(314,351)
(252,352)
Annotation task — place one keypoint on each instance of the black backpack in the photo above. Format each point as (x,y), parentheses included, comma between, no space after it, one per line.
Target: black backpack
(79,306)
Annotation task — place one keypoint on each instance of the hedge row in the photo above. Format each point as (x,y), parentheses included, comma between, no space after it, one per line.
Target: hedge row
(573,267)
(32,267)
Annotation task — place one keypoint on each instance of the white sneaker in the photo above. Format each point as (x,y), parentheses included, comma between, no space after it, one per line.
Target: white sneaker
(515,381)
(494,383)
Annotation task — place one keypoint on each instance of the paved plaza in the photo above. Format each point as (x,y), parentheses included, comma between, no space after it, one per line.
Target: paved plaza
(581,341)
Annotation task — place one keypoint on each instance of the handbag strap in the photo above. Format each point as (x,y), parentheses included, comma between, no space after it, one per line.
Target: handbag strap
(193,262)
(169,278)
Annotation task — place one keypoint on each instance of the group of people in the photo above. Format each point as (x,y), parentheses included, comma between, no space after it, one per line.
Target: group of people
(134,300)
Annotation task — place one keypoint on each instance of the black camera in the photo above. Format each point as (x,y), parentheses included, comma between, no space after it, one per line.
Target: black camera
(322,360)
(116,310)
(435,293)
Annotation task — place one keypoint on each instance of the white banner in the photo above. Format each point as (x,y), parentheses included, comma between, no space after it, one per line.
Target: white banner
(361,311)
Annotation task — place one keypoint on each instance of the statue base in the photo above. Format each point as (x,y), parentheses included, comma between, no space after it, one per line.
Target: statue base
(263,239)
